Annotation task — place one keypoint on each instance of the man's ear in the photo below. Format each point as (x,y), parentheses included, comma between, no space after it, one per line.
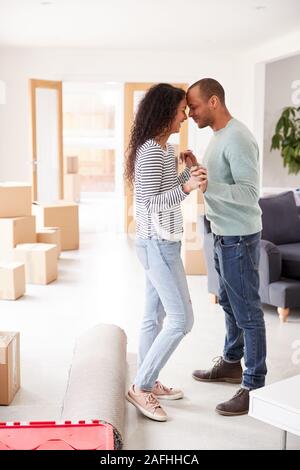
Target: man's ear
(213,102)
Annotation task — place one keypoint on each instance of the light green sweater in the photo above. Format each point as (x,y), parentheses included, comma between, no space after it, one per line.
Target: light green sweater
(232,194)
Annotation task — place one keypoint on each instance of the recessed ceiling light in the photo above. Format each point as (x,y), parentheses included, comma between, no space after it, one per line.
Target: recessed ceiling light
(260,7)
(46,3)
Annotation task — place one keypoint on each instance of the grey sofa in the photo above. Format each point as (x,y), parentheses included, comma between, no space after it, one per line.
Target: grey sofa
(280,253)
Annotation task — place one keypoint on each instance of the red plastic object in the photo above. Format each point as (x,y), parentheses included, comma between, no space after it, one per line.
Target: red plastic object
(49,435)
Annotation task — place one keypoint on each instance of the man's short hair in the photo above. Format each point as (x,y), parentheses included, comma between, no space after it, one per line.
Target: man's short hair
(210,87)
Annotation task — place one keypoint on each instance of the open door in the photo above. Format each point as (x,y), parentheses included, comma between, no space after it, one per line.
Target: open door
(134,92)
(47,140)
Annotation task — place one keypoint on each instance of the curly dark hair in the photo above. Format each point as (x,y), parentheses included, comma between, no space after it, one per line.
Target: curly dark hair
(153,119)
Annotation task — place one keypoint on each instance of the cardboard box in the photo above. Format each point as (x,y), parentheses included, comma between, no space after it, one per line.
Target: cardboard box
(15,230)
(72,187)
(50,235)
(194,262)
(69,239)
(40,261)
(192,250)
(9,366)
(72,164)
(63,215)
(15,199)
(12,280)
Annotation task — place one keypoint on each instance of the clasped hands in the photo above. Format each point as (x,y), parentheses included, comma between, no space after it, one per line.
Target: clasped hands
(198,178)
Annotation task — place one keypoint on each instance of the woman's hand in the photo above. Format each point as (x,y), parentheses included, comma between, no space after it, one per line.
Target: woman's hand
(188,158)
(201,173)
(192,184)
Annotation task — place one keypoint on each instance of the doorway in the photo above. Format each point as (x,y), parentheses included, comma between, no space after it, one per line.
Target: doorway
(47,149)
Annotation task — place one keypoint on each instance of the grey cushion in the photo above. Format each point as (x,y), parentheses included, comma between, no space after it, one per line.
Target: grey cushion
(280,219)
(290,255)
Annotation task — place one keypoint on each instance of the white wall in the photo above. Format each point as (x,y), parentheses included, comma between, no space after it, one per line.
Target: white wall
(280,77)
(253,71)
(252,67)
(243,77)
(18,65)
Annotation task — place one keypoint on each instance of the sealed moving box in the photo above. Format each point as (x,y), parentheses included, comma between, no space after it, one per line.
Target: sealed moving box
(9,366)
(40,261)
(192,250)
(72,164)
(72,187)
(63,215)
(50,235)
(12,280)
(15,199)
(15,230)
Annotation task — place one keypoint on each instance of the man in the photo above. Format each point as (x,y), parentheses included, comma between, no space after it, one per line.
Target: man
(231,193)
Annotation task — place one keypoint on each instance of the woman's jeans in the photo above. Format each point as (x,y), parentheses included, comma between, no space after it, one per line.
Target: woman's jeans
(237,263)
(167,297)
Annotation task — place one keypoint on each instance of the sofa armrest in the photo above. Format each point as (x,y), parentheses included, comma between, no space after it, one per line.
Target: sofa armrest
(203,225)
(270,262)
(269,268)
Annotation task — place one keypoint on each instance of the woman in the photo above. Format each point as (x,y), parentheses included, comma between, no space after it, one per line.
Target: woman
(151,166)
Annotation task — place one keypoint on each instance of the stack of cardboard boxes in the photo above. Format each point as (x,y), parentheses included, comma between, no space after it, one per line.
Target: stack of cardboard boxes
(16,226)
(192,242)
(72,179)
(62,215)
(28,256)
(25,253)
(19,250)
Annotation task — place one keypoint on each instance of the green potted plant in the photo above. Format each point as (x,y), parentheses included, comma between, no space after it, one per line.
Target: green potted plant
(287,138)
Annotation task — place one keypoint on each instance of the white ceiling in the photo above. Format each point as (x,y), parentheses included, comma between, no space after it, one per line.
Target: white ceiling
(147,24)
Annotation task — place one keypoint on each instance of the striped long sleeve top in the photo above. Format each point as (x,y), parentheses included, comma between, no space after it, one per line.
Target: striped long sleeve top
(158,192)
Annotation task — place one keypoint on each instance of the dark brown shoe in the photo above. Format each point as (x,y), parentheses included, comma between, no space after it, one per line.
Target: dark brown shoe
(222,371)
(237,405)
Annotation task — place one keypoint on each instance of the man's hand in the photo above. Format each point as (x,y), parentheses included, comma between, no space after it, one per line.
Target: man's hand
(201,173)
(188,158)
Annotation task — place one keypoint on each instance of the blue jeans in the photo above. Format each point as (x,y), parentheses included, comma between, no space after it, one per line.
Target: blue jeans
(237,262)
(167,298)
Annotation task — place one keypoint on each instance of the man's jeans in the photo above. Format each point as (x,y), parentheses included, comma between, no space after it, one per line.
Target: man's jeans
(237,262)
(167,295)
